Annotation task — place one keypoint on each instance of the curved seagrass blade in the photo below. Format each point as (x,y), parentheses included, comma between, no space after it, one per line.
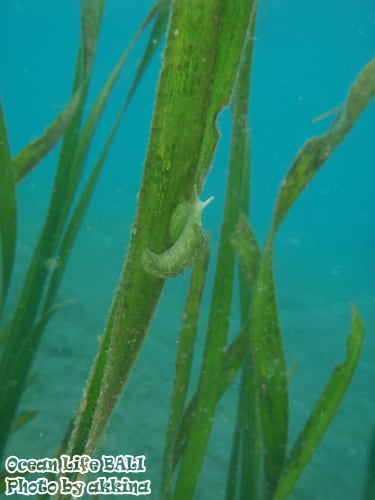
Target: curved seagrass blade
(36,302)
(323,411)
(8,212)
(32,154)
(267,348)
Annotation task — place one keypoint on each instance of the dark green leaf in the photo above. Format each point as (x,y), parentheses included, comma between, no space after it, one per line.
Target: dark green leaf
(34,152)
(22,419)
(269,369)
(323,411)
(246,246)
(369,489)
(228,62)
(318,149)
(183,364)
(8,212)
(91,15)
(161,10)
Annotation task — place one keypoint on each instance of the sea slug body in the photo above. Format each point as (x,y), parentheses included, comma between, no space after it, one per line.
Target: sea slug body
(181,254)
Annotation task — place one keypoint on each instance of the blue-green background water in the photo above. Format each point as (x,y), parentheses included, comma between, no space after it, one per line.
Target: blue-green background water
(306,56)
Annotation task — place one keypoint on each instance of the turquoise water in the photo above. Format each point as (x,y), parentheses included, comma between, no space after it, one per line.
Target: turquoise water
(306,56)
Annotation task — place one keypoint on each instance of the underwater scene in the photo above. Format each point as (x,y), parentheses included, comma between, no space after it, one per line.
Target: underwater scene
(187,249)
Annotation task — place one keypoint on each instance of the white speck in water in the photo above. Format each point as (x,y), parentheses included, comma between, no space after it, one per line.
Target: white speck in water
(294,241)
(51,264)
